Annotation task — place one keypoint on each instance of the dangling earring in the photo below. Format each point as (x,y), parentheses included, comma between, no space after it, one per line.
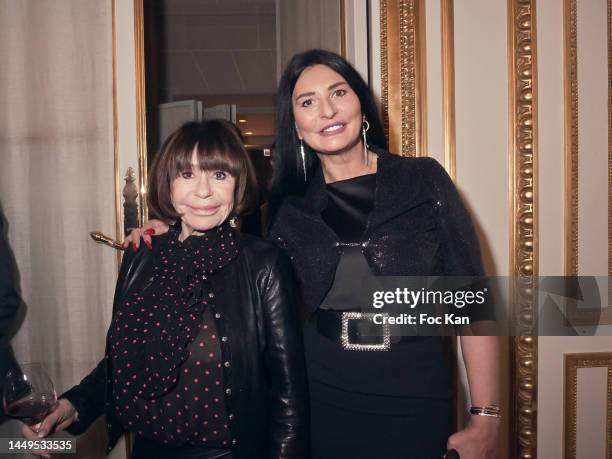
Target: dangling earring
(303,155)
(365,127)
(233,222)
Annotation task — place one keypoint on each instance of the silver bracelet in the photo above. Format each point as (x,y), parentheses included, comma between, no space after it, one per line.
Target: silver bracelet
(492,411)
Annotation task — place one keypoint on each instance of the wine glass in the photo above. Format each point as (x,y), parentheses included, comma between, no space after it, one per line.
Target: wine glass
(28,393)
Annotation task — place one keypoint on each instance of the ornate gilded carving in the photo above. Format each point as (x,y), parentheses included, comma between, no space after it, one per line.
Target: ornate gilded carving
(384,67)
(571,137)
(403,75)
(408,76)
(448,86)
(524,230)
(572,363)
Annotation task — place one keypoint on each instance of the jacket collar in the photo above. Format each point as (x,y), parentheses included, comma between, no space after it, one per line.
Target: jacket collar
(390,199)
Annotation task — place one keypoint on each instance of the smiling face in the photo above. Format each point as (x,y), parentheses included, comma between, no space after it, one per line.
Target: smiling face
(204,198)
(327,111)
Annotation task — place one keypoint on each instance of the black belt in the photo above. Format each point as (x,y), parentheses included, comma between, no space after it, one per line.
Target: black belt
(356,331)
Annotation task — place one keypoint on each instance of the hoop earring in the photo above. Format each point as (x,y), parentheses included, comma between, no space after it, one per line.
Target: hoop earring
(365,127)
(303,155)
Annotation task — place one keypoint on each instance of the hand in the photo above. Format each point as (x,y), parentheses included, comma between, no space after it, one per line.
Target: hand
(61,417)
(478,440)
(151,227)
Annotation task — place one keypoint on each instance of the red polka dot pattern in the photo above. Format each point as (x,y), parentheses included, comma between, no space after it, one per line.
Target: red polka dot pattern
(165,354)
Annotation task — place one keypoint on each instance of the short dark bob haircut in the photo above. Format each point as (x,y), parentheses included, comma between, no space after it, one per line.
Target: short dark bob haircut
(288,177)
(218,146)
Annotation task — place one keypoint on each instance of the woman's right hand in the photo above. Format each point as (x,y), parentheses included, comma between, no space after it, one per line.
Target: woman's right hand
(145,232)
(57,420)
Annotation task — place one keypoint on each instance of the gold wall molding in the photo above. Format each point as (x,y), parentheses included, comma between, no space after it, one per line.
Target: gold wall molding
(141,109)
(384,68)
(522,78)
(570,410)
(117,177)
(571,103)
(403,75)
(570,135)
(609,26)
(448,87)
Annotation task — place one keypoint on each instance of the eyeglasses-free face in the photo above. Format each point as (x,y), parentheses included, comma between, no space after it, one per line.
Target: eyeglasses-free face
(327,111)
(204,198)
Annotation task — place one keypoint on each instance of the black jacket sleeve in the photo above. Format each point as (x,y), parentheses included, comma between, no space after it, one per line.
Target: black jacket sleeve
(9,298)
(89,396)
(284,359)
(459,244)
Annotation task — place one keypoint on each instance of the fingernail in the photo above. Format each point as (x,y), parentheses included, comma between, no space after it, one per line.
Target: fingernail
(149,245)
(134,248)
(149,231)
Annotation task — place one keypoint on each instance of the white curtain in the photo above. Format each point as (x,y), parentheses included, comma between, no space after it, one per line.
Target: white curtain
(57,182)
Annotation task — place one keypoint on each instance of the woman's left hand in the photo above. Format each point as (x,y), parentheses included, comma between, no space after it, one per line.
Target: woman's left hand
(478,440)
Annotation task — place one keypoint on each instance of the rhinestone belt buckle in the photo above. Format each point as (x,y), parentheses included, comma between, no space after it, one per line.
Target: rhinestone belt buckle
(344,337)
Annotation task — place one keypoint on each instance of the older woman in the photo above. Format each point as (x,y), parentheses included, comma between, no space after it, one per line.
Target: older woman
(204,356)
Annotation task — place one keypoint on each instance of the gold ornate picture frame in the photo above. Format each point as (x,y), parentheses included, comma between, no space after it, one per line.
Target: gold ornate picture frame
(581,316)
(573,362)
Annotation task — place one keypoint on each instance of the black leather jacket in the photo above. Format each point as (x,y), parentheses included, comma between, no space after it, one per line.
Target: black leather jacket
(266,380)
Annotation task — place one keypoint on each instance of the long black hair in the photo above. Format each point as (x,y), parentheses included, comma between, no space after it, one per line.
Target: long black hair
(288,175)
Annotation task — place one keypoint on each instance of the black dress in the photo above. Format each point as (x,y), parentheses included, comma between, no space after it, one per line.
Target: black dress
(363,404)
(367,403)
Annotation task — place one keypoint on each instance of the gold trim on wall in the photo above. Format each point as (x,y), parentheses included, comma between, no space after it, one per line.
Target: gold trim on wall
(384,69)
(609,22)
(576,315)
(522,78)
(141,110)
(118,179)
(390,76)
(448,86)
(572,363)
(403,75)
(570,136)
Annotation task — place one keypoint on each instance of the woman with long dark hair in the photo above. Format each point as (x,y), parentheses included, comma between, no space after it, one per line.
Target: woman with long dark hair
(346,210)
